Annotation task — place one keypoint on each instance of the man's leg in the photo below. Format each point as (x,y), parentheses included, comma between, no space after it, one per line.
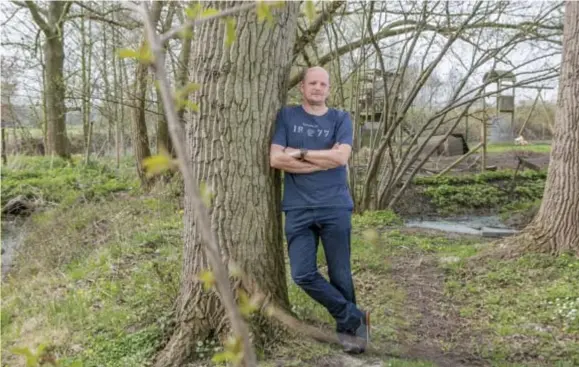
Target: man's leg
(335,233)
(302,249)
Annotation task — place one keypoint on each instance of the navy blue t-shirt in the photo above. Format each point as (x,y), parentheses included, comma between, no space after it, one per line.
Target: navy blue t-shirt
(298,129)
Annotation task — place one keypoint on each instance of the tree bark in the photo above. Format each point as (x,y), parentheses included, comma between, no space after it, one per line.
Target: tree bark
(57,142)
(242,89)
(555,229)
(140,138)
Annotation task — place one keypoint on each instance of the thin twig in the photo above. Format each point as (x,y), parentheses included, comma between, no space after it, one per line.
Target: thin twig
(174,32)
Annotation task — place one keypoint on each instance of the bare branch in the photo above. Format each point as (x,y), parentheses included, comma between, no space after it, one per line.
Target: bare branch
(38,19)
(173,33)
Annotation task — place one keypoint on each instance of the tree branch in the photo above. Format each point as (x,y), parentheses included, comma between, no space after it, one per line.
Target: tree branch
(412,26)
(38,19)
(309,34)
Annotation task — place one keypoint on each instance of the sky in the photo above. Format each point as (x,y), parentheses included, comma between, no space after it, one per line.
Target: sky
(20,29)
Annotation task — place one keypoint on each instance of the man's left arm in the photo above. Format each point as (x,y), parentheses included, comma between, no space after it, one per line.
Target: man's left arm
(340,153)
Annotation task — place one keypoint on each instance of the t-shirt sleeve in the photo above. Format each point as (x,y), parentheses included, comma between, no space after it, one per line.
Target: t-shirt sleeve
(344,134)
(279,134)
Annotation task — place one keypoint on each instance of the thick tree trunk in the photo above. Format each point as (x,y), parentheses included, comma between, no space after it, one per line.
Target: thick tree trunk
(243,87)
(555,229)
(55,96)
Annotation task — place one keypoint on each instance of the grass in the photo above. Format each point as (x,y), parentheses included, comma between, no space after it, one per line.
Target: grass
(97,277)
(536,147)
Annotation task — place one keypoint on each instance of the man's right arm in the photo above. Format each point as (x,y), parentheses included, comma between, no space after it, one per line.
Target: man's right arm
(285,162)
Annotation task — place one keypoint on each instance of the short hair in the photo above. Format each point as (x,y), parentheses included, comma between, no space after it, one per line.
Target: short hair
(304,71)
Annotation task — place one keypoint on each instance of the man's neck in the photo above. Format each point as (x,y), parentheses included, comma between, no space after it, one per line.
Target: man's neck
(315,110)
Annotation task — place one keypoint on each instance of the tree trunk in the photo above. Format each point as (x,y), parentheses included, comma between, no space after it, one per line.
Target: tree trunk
(55,96)
(140,138)
(555,229)
(243,88)
(163,138)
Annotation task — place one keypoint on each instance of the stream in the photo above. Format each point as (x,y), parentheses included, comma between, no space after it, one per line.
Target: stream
(12,234)
(485,226)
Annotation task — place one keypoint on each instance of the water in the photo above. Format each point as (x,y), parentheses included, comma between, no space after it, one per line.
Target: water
(487,226)
(11,237)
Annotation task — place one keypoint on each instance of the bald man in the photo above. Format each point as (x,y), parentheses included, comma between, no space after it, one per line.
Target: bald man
(311,145)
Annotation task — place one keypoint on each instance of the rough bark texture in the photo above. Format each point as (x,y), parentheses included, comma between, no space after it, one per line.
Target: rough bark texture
(555,229)
(243,87)
(56,139)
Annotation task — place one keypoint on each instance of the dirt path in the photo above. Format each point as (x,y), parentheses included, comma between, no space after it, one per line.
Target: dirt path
(443,337)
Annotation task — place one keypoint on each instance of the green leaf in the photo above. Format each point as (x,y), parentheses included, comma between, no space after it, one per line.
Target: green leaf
(192,106)
(224,356)
(31,359)
(310,10)
(186,90)
(145,54)
(207,278)
(263,11)
(206,194)
(157,164)
(125,53)
(230,24)
(185,34)
(246,305)
(209,12)
(233,351)
(193,11)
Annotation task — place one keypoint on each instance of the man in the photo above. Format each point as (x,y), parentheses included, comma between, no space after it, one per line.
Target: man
(312,144)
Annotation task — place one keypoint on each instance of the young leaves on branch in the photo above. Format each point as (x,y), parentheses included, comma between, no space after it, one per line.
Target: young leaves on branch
(207,278)
(182,100)
(310,10)
(196,11)
(158,164)
(230,24)
(233,351)
(143,54)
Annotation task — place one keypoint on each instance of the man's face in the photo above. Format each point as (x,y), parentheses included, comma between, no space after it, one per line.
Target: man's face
(316,87)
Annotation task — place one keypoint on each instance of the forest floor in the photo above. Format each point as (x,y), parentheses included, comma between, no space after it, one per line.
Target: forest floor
(97,271)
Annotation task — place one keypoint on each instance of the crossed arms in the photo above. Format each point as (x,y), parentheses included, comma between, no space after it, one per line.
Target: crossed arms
(314,160)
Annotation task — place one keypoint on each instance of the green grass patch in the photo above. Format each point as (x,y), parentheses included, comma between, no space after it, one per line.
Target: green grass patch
(539,147)
(480,178)
(378,218)
(95,278)
(530,306)
(58,181)
(109,304)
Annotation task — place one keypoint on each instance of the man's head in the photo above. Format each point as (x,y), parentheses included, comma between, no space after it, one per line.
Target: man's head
(315,86)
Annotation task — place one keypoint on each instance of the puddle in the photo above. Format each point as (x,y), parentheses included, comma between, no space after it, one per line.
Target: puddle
(489,226)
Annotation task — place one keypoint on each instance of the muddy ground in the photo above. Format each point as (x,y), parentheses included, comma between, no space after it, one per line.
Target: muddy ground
(498,160)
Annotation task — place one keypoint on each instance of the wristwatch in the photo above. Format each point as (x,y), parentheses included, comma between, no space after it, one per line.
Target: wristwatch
(303,153)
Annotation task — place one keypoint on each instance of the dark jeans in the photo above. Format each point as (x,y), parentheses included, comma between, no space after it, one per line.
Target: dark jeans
(304,228)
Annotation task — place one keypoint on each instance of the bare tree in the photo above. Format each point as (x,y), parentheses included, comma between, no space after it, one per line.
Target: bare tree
(398,149)
(52,24)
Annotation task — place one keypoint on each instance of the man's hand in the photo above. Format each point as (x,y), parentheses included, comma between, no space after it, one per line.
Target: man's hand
(287,160)
(293,152)
(330,158)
